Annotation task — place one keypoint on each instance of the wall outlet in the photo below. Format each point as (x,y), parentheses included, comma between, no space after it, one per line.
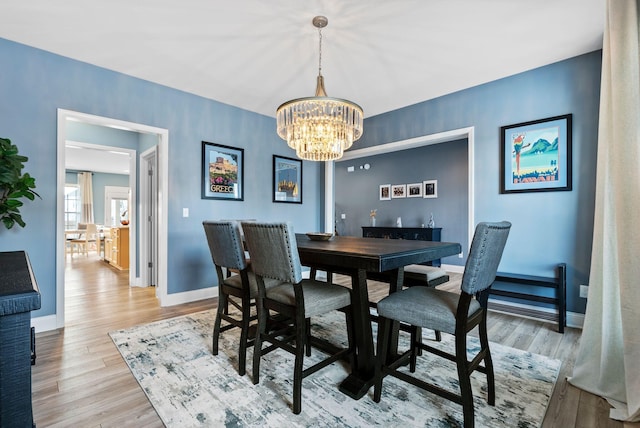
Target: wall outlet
(584,291)
(460,255)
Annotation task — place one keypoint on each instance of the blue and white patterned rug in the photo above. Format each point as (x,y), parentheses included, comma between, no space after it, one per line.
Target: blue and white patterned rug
(189,387)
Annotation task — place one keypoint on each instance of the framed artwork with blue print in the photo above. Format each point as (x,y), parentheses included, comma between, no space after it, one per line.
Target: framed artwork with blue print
(535,156)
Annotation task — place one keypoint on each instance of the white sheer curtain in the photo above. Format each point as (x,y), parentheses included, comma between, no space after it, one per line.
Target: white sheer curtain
(85,183)
(608,362)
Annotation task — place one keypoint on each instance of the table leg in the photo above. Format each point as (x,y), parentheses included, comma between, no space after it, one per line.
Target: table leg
(361,378)
(396,279)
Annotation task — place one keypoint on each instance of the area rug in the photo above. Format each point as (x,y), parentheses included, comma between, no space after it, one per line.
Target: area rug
(189,387)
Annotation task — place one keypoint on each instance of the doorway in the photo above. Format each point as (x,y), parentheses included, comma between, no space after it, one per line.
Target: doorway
(160,136)
(441,137)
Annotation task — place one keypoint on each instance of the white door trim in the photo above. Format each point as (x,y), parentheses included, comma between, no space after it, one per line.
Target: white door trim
(163,184)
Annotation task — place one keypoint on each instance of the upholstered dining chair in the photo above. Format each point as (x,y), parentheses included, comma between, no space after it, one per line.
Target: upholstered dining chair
(86,239)
(238,289)
(274,254)
(450,313)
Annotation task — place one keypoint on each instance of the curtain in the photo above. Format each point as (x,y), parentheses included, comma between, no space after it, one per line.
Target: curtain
(85,183)
(608,362)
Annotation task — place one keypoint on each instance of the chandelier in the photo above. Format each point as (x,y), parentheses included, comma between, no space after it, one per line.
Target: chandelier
(319,128)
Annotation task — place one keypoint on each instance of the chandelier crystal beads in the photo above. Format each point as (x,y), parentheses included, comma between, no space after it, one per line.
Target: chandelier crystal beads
(319,128)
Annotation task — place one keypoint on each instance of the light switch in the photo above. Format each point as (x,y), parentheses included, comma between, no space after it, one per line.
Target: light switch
(343,216)
(185,212)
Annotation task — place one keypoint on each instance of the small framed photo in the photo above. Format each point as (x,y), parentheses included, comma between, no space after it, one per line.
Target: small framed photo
(430,189)
(222,172)
(287,180)
(414,190)
(385,192)
(536,156)
(399,191)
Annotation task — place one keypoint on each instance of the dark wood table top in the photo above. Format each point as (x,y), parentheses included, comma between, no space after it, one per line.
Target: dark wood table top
(371,254)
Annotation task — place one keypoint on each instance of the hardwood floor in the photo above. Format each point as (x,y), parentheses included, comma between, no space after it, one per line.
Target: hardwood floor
(80,379)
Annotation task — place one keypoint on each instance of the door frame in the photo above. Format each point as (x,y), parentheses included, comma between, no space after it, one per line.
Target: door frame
(163,184)
(148,159)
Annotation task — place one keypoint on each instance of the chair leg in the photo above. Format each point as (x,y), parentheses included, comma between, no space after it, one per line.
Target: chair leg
(464,378)
(488,363)
(384,326)
(301,342)
(307,327)
(222,299)
(416,341)
(329,277)
(244,336)
(257,345)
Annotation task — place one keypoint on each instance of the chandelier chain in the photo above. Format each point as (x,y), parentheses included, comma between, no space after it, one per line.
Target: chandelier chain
(320,52)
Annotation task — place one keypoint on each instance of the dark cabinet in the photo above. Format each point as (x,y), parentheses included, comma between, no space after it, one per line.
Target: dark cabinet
(411,233)
(19,296)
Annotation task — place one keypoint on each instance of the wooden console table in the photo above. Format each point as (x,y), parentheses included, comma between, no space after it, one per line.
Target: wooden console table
(410,233)
(19,296)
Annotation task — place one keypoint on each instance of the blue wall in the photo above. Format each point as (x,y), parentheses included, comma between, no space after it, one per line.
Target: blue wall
(548,227)
(35,83)
(445,162)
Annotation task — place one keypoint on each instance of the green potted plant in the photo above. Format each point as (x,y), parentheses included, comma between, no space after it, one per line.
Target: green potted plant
(14,185)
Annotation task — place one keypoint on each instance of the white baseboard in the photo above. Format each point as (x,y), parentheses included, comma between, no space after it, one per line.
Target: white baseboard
(573,319)
(189,296)
(44,323)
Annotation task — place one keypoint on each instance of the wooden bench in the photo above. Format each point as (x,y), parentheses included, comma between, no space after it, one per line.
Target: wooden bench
(559,283)
(430,276)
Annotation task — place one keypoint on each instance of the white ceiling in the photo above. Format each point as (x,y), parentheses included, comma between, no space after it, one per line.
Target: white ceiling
(256,54)
(87,157)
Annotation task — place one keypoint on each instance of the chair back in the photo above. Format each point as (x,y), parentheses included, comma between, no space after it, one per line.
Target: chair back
(91,232)
(273,250)
(485,253)
(225,243)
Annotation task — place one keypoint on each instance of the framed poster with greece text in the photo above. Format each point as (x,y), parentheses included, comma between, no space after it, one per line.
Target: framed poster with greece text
(222,172)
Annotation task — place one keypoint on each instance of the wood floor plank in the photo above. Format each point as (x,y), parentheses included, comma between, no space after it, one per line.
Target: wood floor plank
(80,378)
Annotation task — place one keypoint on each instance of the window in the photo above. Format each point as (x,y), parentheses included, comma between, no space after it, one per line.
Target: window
(71,206)
(119,211)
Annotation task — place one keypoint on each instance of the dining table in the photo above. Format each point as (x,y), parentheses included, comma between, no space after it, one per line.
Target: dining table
(355,257)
